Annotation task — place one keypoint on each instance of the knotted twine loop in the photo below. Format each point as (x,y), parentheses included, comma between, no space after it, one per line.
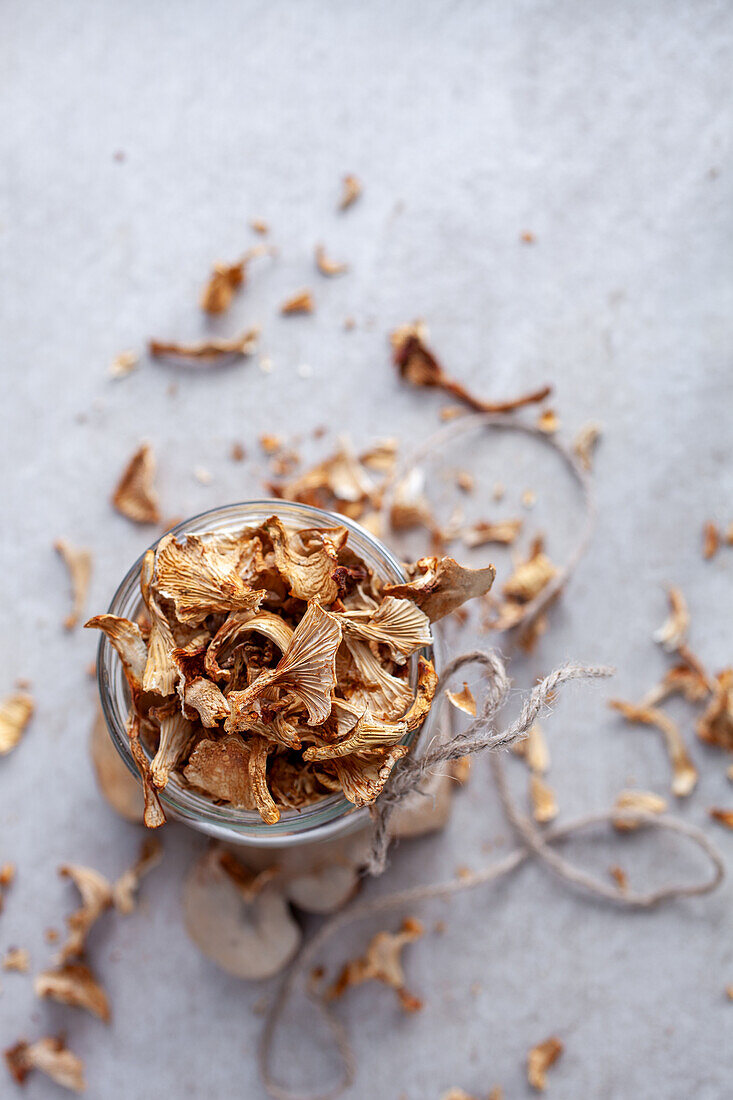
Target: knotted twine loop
(480,734)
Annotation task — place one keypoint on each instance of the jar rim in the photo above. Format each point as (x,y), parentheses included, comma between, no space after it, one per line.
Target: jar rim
(331,814)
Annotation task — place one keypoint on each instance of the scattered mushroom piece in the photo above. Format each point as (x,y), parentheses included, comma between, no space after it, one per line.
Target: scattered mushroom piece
(585,443)
(418,365)
(539,1060)
(207,351)
(723,817)
(463,700)
(382,962)
(17,958)
(135,497)
(327,266)
(440,585)
(710,540)
(50,1056)
(249,936)
(78,561)
(503,531)
(96,896)
(684,777)
(542,797)
(15,714)
(641,803)
(301,302)
(548,421)
(74,984)
(673,632)
(123,364)
(352,189)
(715,726)
(116,782)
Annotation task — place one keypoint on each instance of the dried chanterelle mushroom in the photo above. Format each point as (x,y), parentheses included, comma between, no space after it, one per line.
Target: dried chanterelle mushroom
(274,667)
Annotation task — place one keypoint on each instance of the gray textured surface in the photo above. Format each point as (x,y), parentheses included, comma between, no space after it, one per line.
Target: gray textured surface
(605,130)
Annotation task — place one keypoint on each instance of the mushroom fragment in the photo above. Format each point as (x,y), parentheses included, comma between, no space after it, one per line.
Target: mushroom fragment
(382,962)
(96,896)
(684,777)
(160,671)
(300,302)
(50,1056)
(15,714)
(539,1060)
(418,365)
(715,726)
(503,531)
(326,265)
(74,984)
(123,364)
(221,769)
(440,585)
(135,496)
(673,632)
(250,935)
(723,817)
(199,580)
(463,700)
(16,958)
(352,189)
(207,351)
(216,297)
(641,803)
(307,559)
(127,639)
(544,804)
(710,540)
(585,444)
(78,561)
(398,624)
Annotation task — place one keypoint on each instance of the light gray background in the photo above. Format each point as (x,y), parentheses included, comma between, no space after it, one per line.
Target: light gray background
(605,130)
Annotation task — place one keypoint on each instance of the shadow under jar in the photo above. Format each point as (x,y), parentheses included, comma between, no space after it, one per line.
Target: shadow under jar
(332,816)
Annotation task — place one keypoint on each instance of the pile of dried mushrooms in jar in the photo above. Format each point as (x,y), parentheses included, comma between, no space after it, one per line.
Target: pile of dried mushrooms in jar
(270,668)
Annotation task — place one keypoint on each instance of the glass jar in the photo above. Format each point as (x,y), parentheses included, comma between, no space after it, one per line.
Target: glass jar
(330,817)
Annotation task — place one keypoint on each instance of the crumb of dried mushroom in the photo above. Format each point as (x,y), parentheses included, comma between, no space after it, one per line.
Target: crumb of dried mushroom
(237,452)
(123,364)
(673,632)
(619,876)
(715,726)
(259,226)
(539,1060)
(352,189)
(15,714)
(548,421)
(301,302)
(723,817)
(633,806)
(16,958)
(327,266)
(463,700)
(503,531)
(544,804)
(50,1056)
(585,443)
(710,540)
(135,497)
(78,561)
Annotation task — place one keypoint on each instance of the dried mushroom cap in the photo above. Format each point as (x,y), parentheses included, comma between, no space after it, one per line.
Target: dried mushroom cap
(398,624)
(673,632)
(539,1060)
(307,558)
(715,726)
(15,714)
(306,669)
(124,890)
(135,497)
(206,351)
(236,626)
(463,700)
(73,984)
(221,769)
(78,561)
(684,777)
(160,672)
(363,779)
(249,936)
(127,639)
(641,803)
(379,692)
(50,1056)
(117,784)
(381,962)
(199,580)
(96,896)
(368,733)
(440,585)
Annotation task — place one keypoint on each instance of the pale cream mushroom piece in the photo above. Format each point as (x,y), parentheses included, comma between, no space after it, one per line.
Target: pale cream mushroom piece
(118,785)
(249,934)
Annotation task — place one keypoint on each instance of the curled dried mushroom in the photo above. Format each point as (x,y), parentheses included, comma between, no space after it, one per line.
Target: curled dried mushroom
(49,1055)
(275,668)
